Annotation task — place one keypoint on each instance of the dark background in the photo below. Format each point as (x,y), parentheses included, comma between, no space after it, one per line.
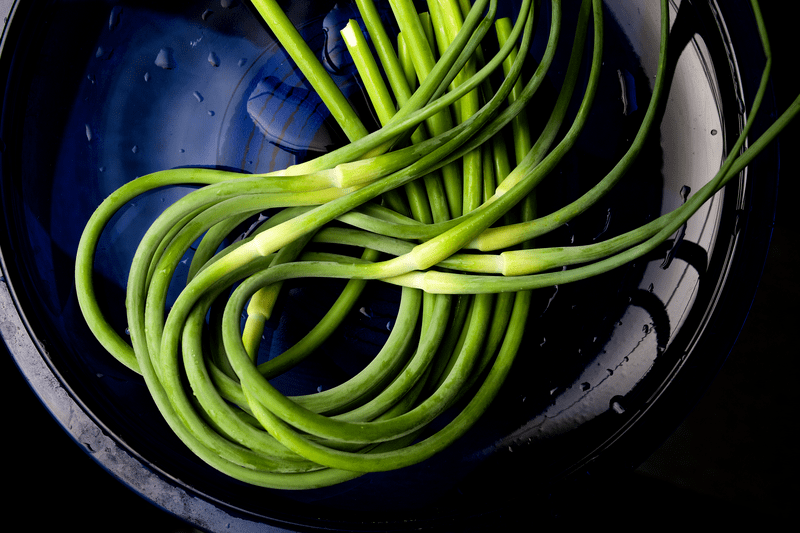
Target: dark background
(732,459)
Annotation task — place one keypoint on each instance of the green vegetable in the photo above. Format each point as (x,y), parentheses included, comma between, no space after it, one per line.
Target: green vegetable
(421,200)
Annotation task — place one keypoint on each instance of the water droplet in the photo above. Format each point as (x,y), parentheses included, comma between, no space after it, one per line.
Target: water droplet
(713,132)
(213,59)
(685,192)
(198,96)
(135,149)
(605,225)
(127,331)
(103,53)
(585,386)
(182,151)
(609,371)
(102,169)
(650,288)
(210,113)
(229,3)
(628,91)
(146,76)
(319,389)
(88,133)
(113,19)
(646,329)
(206,14)
(165,59)
(242,61)
(550,300)
(617,407)
(389,325)
(91,78)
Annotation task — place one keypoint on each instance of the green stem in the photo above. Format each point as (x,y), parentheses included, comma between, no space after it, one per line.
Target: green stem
(312,69)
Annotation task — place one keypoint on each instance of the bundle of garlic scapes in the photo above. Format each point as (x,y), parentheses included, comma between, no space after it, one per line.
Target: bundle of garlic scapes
(436,204)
